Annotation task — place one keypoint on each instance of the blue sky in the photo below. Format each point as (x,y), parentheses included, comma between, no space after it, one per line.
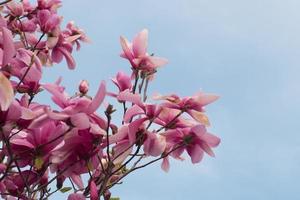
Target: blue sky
(245,51)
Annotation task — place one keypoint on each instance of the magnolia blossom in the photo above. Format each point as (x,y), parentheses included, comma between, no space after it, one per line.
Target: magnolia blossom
(47,148)
(136,53)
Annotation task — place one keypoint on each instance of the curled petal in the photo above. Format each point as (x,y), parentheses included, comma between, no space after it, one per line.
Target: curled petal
(70,60)
(98,99)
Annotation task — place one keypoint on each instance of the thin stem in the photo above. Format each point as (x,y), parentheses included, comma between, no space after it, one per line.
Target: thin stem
(137,76)
(145,165)
(145,90)
(107,136)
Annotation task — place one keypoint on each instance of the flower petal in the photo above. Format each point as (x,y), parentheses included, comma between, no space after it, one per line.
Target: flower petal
(98,99)
(6,93)
(80,120)
(140,43)
(9,50)
(196,153)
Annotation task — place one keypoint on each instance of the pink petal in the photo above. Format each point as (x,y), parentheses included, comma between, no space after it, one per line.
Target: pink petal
(133,128)
(56,55)
(157,61)
(58,97)
(211,140)
(6,93)
(205,99)
(78,181)
(122,149)
(140,43)
(126,49)
(56,115)
(94,192)
(165,165)
(120,135)
(70,60)
(133,111)
(207,149)
(8,46)
(22,142)
(38,122)
(76,196)
(196,153)
(80,120)
(154,145)
(98,99)
(130,97)
(199,130)
(43,16)
(199,117)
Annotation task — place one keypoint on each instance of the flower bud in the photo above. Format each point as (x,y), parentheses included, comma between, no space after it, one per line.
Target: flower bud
(83,87)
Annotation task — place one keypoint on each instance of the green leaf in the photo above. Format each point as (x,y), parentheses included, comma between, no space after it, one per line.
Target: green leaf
(65,189)
(114,198)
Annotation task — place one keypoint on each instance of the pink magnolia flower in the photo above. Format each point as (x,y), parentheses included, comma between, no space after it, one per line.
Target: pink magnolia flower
(51,5)
(16,9)
(35,145)
(74,34)
(122,81)
(78,111)
(195,141)
(61,49)
(136,53)
(48,21)
(194,105)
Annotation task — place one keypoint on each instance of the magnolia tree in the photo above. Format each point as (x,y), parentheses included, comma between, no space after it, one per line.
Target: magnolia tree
(44,151)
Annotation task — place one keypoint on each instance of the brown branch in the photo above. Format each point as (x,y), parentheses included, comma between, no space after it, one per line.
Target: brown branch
(5,2)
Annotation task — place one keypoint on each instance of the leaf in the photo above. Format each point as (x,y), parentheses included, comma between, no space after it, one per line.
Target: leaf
(65,189)
(114,198)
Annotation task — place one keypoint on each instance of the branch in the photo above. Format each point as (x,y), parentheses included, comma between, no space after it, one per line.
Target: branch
(5,2)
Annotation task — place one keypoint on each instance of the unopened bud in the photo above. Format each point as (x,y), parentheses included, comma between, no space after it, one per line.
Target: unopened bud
(83,87)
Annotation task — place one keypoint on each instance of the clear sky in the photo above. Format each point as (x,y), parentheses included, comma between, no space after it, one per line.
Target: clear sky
(246,51)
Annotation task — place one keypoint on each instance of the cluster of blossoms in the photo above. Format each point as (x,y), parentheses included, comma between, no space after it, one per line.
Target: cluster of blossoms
(40,145)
